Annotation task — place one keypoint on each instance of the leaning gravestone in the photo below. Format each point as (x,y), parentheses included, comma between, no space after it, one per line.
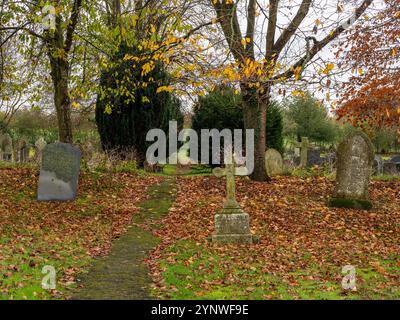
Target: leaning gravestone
(304,145)
(355,158)
(273,163)
(59,173)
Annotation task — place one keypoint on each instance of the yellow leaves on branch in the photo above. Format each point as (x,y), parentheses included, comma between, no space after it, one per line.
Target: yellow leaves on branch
(108,109)
(165,89)
(298,93)
(245,41)
(145,99)
(226,1)
(147,68)
(329,67)
(297,72)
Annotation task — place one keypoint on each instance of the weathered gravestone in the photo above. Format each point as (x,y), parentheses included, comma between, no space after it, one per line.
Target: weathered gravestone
(232,225)
(304,145)
(314,158)
(273,163)
(59,173)
(355,158)
(6,147)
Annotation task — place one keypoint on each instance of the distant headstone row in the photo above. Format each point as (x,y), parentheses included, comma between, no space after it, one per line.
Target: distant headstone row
(20,151)
(307,156)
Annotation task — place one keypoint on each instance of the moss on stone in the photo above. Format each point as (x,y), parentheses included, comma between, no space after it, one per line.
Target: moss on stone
(350,203)
(60,160)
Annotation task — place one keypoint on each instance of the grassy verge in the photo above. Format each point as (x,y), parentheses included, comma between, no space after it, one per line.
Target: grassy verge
(196,272)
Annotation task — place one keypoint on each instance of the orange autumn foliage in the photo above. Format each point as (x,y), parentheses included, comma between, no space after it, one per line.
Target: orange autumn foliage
(372,95)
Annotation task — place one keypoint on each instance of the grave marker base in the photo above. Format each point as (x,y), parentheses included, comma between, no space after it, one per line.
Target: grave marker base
(350,203)
(232,225)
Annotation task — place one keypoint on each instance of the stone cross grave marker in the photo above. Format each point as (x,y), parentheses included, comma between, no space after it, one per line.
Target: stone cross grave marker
(59,172)
(304,145)
(355,158)
(232,225)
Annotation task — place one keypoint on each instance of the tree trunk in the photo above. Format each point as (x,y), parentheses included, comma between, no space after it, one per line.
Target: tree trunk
(255,117)
(59,75)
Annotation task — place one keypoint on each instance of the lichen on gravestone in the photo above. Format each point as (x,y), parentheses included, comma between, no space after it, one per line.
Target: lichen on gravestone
(59,160)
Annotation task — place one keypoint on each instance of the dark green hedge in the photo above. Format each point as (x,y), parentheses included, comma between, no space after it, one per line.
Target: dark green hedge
(135,109)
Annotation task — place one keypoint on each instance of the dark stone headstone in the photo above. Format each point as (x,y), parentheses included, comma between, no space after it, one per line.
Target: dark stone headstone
(59,173)
(395,159)
(355,158)
(314,158)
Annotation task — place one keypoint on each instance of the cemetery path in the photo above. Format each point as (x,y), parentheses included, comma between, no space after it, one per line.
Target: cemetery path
(123,275)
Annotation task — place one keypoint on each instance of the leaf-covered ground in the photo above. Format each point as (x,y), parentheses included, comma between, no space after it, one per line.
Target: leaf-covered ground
(304,244)
(64,235)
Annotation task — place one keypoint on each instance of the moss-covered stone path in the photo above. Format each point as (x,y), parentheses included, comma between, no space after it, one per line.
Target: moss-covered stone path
(122,275)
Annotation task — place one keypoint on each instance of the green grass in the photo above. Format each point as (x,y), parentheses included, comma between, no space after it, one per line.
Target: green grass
(25,280)
(386,178)
(196,273)
(11,165)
